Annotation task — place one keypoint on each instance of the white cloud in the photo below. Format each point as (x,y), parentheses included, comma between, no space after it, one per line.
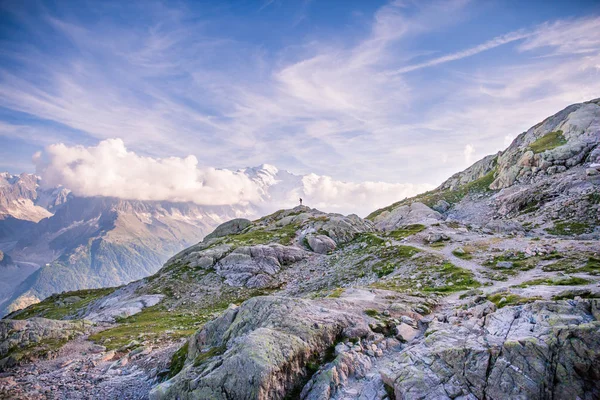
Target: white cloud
(323,192)
(109,169)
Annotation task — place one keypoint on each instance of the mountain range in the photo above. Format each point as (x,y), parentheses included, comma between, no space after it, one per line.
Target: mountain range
(59,241)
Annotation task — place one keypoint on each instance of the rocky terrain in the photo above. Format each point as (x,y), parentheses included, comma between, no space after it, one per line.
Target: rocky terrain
(485,288)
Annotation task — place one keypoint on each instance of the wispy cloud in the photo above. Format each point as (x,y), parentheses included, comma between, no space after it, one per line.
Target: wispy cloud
(174,84)
(495,42)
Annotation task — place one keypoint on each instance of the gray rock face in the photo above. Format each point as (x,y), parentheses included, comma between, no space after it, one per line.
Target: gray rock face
(21,333)
(414,213)
(320,243)
(122,303)
(580,124)
(474,172)
(537,351)
(270,339)
(18,337)
(230,227)
(254,266)
(503,226)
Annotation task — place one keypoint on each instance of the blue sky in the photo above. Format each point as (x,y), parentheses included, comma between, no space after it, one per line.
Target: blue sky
(400,92)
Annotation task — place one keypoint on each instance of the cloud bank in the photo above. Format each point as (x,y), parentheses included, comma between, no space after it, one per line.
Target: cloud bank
(110,169)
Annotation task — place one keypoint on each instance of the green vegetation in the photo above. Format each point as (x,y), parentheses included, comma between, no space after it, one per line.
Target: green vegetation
(481,185)
(368,239)
(574,265)
(153,324)
(548,142)
(253,236)
(519,260)
(594,198)
(60,306)
(569,228)
(336,293)
(431,276)
(178,360)
(371,313)
(568,281)
(389,258)
(160,323)
(207,355)
(592,266)
(44,349)
(570,294)
(465,254)
(406,231)
(510,299)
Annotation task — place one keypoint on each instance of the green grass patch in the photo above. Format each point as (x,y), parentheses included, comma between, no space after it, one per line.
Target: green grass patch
(465,255)
(207,355)
(390,257)
(519,260)
(406,231)
(432,277)
(510,299)
(371,313)
(336,293)
(549,141)
(569,228)
(152,324)
(571,294)
(572,265)
(43,349)
(60,306)
(592,266)
(178,360)
(561,281)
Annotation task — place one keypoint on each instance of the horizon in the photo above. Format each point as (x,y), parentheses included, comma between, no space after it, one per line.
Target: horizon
(393,96)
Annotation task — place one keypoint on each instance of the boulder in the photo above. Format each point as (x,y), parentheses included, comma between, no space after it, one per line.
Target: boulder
(255,266)
(405,332)
(321,244)
(414,213)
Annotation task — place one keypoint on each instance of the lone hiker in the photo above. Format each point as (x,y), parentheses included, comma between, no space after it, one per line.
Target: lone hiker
(300,200)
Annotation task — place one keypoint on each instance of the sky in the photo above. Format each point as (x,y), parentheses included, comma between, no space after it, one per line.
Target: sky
(373,93)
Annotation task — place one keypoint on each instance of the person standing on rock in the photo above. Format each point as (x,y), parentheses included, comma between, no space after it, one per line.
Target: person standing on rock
(300,200)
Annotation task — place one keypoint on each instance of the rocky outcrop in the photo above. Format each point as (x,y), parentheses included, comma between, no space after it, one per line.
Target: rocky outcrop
(562,141)
(271,339)
(537,351)
(414,213)
(21,333)
(5,259)
(19,336)
(549,174)
(474,172)
(228,228)
(279,342)
(255,266)
(122,303)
